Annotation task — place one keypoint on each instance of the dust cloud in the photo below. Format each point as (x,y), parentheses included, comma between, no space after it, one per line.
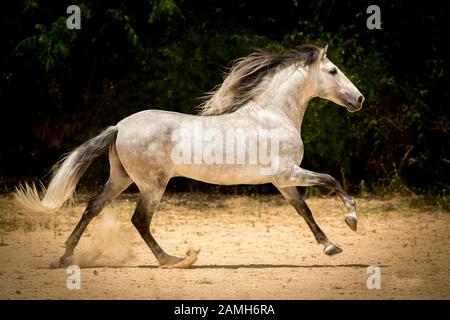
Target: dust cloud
(109,244)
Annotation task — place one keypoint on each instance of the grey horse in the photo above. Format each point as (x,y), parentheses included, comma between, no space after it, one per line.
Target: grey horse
(248,132)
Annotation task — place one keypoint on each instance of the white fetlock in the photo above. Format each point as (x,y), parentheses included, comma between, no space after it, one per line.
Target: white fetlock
(351,220)
(331,249)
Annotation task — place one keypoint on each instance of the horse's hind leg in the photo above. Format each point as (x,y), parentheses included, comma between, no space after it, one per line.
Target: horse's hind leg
(293,197)
(148,202)
(95,205)
(117,182)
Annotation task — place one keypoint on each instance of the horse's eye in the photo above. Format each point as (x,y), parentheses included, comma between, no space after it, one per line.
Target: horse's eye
(333,71)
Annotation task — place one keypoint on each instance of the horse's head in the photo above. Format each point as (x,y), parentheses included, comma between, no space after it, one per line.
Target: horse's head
(335,86)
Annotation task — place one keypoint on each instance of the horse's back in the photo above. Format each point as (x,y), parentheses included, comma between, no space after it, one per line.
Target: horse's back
(143,141)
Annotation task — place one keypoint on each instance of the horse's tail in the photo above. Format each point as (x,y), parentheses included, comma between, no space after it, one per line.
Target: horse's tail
(66,174)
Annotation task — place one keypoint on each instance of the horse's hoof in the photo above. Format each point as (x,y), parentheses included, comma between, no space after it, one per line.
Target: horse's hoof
(351,221)
(332,250)
(62,262)
(181,263)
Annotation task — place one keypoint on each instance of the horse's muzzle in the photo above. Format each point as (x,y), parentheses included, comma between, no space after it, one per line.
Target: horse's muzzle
(354,105)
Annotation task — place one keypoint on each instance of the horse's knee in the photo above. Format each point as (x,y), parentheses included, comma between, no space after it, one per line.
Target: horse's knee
(328,180)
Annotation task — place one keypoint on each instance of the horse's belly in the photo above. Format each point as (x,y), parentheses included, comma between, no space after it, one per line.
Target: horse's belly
(225,174)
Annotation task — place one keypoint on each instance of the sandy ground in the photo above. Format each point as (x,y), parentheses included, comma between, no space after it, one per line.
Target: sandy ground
(251,248)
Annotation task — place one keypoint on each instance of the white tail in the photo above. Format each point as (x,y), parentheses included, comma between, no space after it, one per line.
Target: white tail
(60,189)
(66,174)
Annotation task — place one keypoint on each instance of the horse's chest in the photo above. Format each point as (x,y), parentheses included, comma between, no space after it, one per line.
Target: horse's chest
(291,147)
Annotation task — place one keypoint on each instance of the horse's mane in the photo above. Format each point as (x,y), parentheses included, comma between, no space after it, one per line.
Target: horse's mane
(244,81)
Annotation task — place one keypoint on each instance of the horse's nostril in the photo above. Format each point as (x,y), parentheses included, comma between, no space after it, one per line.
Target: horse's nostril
(360,99)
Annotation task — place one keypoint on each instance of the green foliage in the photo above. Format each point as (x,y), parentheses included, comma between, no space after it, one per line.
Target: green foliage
(119,17)
(50,47)
(61,86)
(164,9)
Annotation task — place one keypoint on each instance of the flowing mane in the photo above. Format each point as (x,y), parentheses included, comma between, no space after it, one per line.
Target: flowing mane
(150,147)
(245,80)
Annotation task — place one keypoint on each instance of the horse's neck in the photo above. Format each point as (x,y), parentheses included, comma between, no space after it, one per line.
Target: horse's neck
(287,96)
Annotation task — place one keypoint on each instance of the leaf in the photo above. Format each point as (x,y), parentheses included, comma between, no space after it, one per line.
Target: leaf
(164,9)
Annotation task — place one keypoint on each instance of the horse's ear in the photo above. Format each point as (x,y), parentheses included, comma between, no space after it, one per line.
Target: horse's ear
(323,52)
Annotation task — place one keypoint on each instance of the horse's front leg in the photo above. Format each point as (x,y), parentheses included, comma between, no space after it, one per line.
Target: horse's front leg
(293,197)
(305,178)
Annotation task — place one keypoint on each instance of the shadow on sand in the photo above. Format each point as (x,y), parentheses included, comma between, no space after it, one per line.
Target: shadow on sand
(236,266)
